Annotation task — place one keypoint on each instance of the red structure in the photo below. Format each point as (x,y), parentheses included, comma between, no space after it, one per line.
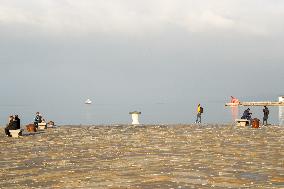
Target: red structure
(234,100)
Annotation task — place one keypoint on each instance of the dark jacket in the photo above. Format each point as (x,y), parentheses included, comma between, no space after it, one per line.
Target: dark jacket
(37,119)
(12,125)
(265,113)
(246,115)
(17,123)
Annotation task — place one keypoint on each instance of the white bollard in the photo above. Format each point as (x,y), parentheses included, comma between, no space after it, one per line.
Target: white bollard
(281,111)
(135,117)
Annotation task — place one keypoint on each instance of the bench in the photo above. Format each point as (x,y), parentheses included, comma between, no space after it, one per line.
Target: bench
(242,122)
(41,126)
(15,133)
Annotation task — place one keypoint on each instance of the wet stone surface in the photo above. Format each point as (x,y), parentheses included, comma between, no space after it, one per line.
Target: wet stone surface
(178,156)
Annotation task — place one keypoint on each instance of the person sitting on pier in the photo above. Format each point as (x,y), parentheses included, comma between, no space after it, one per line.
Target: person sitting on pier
(51,124)
(246,114)
(37,119)
(10,126)
(17,122)
(43,121)
(265,115)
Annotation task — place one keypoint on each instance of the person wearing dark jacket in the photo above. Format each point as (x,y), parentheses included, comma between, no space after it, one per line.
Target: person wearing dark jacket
(17,122)
(37,119)
(246,114)
(10,126)
(265,115)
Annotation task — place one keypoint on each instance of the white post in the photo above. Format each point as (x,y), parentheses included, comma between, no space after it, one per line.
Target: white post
(135,117)
(281,111)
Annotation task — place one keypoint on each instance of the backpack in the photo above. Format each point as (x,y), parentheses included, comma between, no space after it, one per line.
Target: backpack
(201,109)
(266,112)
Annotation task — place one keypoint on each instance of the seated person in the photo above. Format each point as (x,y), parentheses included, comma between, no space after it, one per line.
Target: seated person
(17,122)
(10,126)
(50,124)
(43,121)
(246,115)
(37,119)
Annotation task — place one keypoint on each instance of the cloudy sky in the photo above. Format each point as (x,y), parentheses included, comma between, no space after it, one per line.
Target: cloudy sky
(90,17)
(154,55)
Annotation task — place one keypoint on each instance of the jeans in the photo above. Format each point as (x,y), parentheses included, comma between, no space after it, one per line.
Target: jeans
(265,120)
(198,118)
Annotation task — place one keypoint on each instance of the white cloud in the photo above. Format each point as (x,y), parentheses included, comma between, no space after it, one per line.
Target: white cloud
(133,16)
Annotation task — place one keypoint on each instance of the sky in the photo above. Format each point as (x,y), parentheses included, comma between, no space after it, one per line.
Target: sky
(161,57)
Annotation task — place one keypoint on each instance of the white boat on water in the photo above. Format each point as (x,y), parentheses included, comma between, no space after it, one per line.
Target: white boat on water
(88,101)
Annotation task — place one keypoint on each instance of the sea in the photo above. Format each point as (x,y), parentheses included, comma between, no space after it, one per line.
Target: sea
(79,113)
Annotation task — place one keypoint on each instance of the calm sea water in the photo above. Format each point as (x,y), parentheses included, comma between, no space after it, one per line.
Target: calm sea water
(80,113)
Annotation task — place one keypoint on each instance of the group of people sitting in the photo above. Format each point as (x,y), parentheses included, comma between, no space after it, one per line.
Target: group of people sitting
(247,115)
(14,123)
(39,119)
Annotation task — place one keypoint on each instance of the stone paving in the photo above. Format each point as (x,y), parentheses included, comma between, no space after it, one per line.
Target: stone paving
(172,156)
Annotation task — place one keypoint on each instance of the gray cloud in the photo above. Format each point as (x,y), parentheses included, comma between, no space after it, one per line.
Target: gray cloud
(258,17)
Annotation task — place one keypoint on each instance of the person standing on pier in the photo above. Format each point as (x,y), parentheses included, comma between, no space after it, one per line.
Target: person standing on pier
(199,112)
(265,115)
